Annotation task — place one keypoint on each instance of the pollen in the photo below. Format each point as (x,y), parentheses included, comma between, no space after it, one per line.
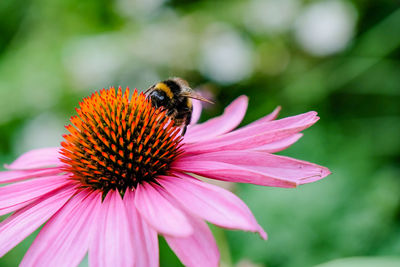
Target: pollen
(116,142)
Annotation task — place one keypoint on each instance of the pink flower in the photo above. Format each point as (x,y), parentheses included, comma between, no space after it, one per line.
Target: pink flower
(123,176)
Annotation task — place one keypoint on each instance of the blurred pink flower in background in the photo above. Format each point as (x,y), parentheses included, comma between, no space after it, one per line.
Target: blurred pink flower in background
(124,175)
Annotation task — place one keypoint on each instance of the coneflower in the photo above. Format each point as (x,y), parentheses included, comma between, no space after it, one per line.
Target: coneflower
(124,175)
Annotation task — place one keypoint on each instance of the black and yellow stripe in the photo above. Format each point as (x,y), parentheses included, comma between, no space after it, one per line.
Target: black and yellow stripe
(162,86)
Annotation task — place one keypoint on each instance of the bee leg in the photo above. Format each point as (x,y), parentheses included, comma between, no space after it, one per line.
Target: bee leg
(188,118)
(170,112)
(184,130)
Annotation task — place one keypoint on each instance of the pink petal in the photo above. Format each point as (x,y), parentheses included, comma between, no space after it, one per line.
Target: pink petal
(145,237)
(198,249)
(230,172)
(279,145)
(159,212)
(22,223)
(279,167)
(64,240)
(15,196)
(270,117)
(304,120)
(38,158)
(113,240)
(229,120)
(211,203)
(15,176)
(197,107)
(257,135)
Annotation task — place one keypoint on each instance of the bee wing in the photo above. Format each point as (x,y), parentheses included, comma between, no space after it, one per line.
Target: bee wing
(194,95)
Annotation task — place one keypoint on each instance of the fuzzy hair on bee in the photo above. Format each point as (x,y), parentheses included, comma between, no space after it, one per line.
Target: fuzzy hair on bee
(175,95)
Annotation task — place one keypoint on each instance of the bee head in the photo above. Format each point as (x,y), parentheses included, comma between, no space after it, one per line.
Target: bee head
(159,98)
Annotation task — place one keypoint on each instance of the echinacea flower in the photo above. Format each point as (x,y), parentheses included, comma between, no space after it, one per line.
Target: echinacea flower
(124,174)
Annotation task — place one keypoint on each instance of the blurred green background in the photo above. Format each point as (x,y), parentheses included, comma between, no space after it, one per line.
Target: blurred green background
(340,58)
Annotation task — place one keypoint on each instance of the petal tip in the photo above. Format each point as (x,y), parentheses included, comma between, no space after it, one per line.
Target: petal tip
(262,233)
(243,98)
(325,172)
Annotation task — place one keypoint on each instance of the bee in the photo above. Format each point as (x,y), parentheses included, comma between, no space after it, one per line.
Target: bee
(175,95)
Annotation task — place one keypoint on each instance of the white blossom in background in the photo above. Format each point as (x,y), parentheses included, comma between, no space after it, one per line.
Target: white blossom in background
(326,27)
(93,61)
(225,56)
(45,130)
(271,16)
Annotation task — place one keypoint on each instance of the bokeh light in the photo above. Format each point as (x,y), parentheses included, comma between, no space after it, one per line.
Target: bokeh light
(326,27)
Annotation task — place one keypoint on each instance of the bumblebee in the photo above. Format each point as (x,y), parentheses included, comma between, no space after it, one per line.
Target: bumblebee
(175,95)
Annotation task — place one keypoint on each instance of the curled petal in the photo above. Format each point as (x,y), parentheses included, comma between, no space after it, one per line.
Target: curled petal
(211,203)
(229,120)
(198,249)
(112,243)
(159,212)
(64,240)
(37,158)
(23,222)
(145,237)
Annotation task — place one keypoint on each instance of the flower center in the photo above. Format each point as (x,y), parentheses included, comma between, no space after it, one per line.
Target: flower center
(116,143)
